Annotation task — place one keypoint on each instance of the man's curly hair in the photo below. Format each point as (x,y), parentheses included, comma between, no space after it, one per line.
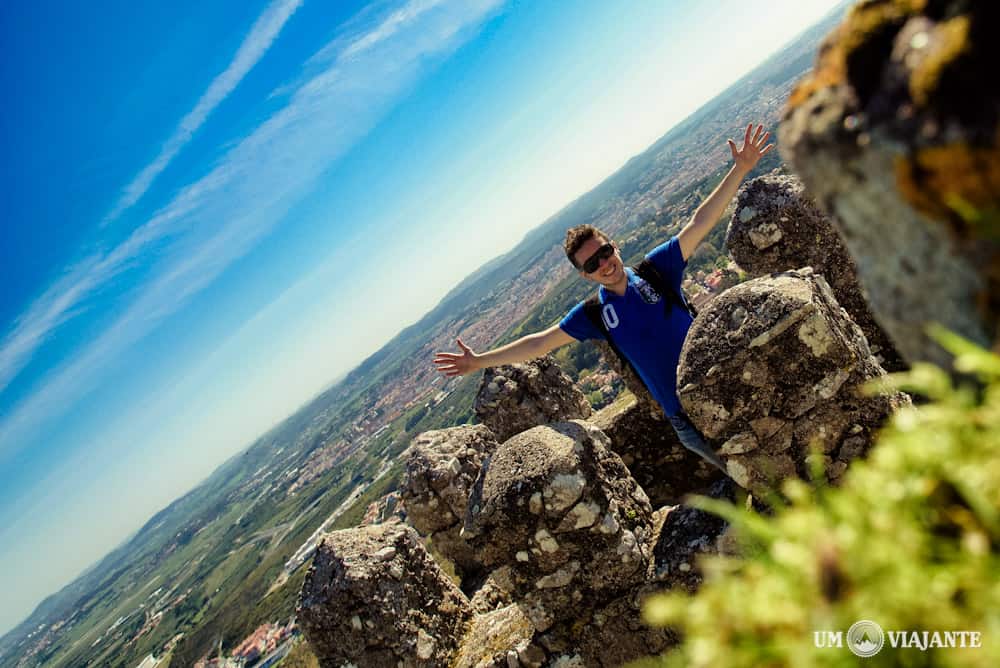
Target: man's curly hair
(579,235)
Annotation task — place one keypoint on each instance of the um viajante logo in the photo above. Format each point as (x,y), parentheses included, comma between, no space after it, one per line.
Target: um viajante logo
(865,638)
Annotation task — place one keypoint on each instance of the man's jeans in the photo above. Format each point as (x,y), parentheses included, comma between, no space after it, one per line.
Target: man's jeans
(691,439)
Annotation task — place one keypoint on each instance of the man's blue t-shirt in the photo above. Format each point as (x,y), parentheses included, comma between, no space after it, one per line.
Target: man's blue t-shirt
(646,333)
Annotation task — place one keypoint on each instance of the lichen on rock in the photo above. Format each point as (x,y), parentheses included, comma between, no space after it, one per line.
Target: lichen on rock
(589,542)
(441,466)
(896,132)
(808,359)
(515,397)
(788,231)
(374,597)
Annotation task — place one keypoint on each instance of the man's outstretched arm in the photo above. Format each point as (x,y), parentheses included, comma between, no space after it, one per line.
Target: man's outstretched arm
(708,214)
(526,348)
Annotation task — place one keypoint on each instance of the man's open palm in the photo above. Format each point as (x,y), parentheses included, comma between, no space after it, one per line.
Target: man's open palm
(753,148)
(456,364)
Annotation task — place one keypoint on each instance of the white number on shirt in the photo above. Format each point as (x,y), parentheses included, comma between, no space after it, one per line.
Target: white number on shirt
(609,315)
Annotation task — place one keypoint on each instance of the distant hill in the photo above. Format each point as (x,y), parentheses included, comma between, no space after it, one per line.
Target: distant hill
(203,566)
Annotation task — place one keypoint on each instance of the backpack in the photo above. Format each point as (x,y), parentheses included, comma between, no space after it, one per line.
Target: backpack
(648,272)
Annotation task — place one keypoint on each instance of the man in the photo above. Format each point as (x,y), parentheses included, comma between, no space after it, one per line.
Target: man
(647,332)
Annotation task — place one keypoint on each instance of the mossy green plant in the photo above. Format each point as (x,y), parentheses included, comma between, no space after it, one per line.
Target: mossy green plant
(911,540)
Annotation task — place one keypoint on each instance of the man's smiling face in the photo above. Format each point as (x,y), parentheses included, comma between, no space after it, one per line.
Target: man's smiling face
(609,270)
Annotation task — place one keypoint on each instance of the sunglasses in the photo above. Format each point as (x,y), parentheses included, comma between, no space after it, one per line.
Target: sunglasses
(594,261)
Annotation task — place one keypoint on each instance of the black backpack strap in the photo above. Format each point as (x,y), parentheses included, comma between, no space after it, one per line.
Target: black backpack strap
(592,308)
(648,271)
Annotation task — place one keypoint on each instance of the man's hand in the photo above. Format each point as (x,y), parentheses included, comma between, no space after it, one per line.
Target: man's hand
(709,212)
(452,364)
(753,149)
(525,348)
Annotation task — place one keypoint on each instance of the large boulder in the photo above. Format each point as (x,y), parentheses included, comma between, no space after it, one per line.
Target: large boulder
(649,446)
(561,510)
(516,397)
(777,227)
(614,633)
(895,132)
(773,368)
(374,597)
(441,467)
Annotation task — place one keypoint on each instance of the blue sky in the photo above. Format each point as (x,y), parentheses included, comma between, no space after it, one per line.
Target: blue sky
(196,197)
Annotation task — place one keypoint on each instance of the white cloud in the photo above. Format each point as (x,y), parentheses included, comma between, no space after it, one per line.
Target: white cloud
(61,301)
(389,27)
(217,219)
(265,30)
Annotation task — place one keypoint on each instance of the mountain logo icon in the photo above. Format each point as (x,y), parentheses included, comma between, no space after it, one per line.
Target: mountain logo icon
(865,638)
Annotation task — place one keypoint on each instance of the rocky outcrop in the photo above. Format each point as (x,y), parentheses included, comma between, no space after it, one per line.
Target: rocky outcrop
(498,639)
(573,535)
(554,513)
(374,597)
(777,227)
(516,397)
(896,132)
(686,533)
(609,635)
(773,368)
(555,536)
(649,447)
(441,467)
(561,510)
(565,534)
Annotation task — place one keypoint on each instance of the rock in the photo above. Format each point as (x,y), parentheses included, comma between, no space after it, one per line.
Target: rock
(413,620)
(788,231)
(648,445)
(588,540)
(531,656)
(613,634)
(493,592)
(894,132)
(786,377)
(492,635)
(516,397)
(685,534)
(441,467)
